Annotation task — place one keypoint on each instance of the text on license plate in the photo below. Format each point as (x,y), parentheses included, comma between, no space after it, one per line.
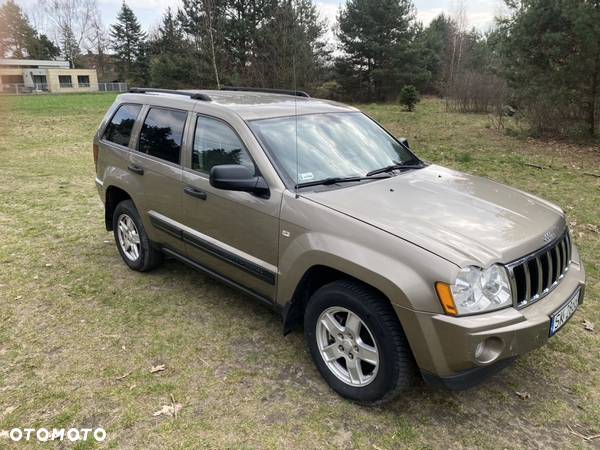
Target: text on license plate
(561,317)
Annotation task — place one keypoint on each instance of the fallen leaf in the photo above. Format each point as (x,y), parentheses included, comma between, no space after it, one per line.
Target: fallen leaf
(125,375)
(168,410)
(158,368)
(589,326)
(523,395)
(18,297)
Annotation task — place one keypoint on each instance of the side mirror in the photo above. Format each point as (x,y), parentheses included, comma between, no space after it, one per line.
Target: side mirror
(404,142)
(235,177)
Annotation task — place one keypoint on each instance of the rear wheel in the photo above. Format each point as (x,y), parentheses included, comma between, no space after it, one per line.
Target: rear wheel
(131,238)
(357,343)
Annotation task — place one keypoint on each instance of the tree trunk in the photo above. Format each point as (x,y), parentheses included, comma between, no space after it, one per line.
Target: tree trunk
(212,42)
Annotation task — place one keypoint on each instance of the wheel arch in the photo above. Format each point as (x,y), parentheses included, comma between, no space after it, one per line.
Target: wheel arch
(313,278)
(114,196)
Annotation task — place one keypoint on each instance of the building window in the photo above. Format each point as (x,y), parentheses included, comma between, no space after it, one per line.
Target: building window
(83,81)
(11,83)
(65,81)
(40,82)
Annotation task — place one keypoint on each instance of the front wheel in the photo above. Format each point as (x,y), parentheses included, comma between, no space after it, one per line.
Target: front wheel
(356,341)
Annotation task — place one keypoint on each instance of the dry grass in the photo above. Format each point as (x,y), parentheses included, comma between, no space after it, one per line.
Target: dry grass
(75,319)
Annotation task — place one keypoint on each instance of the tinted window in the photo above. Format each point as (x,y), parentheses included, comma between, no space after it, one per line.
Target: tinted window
(216,143)
(119,128)
(162,133)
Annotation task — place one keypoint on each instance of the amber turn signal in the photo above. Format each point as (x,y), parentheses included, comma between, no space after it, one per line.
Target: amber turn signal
(445,295)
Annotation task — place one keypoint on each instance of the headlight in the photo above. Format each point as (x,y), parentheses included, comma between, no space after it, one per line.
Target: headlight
(476,290)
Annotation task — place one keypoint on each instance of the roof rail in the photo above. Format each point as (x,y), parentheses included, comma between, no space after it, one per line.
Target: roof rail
(192,95)
(269,91)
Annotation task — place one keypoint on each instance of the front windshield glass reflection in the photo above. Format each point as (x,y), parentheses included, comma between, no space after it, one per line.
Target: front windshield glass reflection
(329,145)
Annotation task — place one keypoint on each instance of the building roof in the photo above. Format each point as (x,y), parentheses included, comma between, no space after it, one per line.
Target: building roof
(34,62)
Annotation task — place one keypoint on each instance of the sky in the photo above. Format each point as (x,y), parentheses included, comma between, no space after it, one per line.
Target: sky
(480,13)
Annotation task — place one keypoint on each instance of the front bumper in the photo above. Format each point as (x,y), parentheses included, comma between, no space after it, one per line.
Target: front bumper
(445,346)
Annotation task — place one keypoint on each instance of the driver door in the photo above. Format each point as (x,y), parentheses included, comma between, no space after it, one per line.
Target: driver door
(234,234)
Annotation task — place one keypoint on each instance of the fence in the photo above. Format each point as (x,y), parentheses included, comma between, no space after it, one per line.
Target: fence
(44,88)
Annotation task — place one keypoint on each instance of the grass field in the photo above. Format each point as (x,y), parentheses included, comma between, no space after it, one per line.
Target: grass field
(80,332)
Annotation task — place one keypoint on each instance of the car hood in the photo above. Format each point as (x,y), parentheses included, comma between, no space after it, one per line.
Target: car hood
(462,218)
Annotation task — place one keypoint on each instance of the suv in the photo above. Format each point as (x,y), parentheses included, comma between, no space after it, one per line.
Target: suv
(392,265)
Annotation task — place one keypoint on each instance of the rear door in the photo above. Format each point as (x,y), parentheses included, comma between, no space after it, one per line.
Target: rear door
(232,233)
(156,163)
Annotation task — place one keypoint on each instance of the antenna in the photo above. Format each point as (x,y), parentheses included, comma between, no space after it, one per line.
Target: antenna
(295,118)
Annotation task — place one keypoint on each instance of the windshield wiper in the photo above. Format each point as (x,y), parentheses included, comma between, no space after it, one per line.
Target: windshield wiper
(397,166)
(336,180)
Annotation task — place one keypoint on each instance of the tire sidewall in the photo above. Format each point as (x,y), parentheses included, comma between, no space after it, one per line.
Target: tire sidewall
(387,373)
(127,208)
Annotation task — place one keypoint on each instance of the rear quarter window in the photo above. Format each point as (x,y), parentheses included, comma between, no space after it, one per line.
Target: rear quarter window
(121,124)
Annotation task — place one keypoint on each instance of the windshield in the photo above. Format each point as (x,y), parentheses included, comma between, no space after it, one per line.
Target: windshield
(329,145)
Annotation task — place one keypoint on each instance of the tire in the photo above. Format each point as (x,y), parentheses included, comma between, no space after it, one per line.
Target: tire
(134,235)
(346,372)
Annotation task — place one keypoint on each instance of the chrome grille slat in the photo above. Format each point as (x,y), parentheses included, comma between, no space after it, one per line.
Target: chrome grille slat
(534,276)
(527,282)
(550,270)
(563,253)
(559,267)
(538,263)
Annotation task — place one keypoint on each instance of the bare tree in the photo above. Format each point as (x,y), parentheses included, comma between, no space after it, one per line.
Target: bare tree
(459,17)
(209,9)
(71,21)
(98,42)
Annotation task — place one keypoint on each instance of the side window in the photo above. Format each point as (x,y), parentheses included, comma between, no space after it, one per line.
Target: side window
(215,143)
(121,124)
(162,133)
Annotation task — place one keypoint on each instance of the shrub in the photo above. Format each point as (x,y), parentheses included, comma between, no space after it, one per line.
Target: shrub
(330,90)
(409,97)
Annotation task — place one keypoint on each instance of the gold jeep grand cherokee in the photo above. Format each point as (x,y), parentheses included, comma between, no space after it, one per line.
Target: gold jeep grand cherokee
(392,265)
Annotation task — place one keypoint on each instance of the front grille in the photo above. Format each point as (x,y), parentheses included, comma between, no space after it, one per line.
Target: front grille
(535,275)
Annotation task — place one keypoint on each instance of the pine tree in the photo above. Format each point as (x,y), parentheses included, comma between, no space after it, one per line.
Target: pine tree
(70,47)
(551,52)
(377,38)
(41,47)
(128,42)
(169,64)
(18,39)
(289,50)
(204,22)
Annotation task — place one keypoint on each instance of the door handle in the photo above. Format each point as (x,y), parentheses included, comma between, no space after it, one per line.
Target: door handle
(195,193)
(136,169)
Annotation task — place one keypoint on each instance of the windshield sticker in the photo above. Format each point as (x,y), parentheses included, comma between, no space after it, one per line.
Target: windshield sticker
(306,176)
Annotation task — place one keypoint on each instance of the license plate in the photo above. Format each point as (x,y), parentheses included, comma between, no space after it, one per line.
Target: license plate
(560,317)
